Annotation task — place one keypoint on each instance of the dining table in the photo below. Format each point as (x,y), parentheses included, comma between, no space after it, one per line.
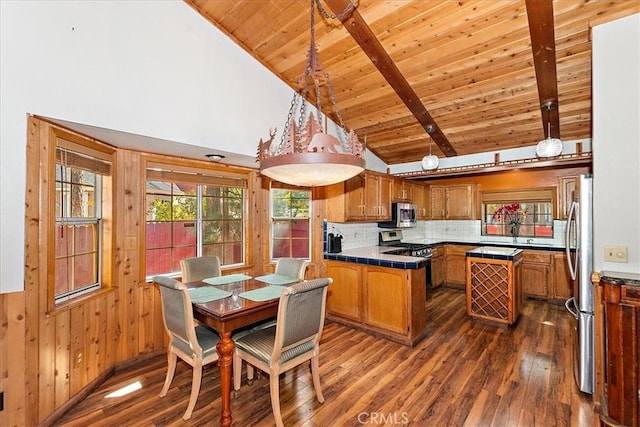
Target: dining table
(241,301)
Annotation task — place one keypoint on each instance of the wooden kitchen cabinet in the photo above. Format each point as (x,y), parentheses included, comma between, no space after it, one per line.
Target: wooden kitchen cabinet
(536,272)
(455,265)
(385,299)
(437,195)
(437,266)
(421,199)
(567,185)
(354,197)
(344,295)
(562,284)
(365,197)
(459,201)
(378,197)
(452,201)
(387,302)
(621,299)
(402,190)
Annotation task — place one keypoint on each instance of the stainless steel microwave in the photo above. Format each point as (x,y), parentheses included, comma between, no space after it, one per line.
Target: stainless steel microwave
(403,215)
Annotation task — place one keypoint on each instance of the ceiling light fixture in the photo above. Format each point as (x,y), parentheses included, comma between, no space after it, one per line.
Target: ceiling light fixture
(431,161)
(549,147)
(214,157)
(307,155)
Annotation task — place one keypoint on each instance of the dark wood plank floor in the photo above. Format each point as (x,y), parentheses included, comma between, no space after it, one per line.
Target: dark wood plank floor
(462,374)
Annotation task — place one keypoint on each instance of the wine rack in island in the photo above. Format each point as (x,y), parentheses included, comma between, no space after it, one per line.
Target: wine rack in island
(493,284)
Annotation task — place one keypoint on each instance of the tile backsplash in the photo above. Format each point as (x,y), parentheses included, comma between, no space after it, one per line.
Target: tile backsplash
(357,235)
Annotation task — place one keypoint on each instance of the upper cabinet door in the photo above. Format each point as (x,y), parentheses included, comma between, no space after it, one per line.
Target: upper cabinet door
(459,202)
(354,206)
(567,186)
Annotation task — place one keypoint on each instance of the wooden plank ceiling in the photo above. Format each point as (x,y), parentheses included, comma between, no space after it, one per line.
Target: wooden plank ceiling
(469,64)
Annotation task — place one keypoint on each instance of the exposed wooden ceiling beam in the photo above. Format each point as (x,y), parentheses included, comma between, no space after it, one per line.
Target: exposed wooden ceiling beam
(543,45)
(367,40)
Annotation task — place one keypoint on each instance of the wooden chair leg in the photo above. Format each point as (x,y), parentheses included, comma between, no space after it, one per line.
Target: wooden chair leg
(315,373)
(274,388)
(171,370)
(195,389)
(250,370)
(237,373)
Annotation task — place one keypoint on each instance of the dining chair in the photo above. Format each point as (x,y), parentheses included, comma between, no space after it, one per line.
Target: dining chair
(200,267)
(295,339)
(196,345)
(291,267)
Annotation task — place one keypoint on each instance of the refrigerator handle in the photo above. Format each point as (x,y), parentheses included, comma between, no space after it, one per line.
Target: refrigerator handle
(567,239)
(571,301)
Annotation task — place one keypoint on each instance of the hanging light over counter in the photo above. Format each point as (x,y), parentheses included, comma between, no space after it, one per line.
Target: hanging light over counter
(307,155)
(549,147)
(431,161)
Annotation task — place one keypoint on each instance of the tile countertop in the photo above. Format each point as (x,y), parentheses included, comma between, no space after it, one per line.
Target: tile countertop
(521,244)
(492,252)
(375,255)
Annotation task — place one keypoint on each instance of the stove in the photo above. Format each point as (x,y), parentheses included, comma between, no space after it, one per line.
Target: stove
(393,238)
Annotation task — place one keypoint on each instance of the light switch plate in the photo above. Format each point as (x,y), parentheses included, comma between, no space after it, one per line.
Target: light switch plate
(615,253)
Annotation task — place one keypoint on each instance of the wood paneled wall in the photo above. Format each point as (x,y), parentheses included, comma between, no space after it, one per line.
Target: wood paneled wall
(39,370)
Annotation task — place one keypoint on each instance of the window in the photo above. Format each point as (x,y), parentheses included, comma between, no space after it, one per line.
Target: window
(290,223)
(532,209)
(78,240)
(191,215)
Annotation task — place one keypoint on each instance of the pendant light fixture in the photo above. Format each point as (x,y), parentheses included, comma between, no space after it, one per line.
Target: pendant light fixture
(307,155)
(549,147)
(431,161)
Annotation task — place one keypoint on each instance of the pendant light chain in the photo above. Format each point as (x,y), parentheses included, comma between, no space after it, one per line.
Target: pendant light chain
(347,10)
(308,155)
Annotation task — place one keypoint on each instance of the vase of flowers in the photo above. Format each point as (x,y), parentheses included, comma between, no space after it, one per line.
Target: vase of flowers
(512,216)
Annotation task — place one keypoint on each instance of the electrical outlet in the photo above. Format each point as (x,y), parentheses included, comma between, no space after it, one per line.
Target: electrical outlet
(77,359)
(615,254)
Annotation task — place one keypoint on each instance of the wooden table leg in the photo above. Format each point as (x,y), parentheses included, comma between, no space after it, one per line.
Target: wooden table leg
(225,360)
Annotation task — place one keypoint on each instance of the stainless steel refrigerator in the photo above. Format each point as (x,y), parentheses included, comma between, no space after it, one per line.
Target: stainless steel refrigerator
(579,247)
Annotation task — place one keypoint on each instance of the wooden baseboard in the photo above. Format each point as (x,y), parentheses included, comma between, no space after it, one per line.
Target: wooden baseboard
(377,333)
(78,397)
(139,359)
(89,388)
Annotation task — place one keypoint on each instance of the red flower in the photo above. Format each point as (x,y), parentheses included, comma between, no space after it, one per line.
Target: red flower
(510,214)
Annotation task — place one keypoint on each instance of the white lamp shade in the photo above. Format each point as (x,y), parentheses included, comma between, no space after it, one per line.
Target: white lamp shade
(550,147)
(430,162)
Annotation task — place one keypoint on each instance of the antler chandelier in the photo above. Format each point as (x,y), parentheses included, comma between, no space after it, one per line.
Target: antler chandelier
(307,155)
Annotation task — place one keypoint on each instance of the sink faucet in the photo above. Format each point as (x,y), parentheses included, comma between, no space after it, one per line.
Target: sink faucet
(529,240)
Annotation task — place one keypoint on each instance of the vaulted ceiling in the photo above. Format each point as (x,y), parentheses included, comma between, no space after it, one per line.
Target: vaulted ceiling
(479,71)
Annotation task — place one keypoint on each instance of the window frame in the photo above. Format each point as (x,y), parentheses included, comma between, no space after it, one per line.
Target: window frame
(102,159)
(155,170)
(521,196)
(277,186)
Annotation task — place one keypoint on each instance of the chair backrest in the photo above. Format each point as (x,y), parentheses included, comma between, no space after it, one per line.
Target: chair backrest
(291,267)
(177,314)
(201,267)
(301,313)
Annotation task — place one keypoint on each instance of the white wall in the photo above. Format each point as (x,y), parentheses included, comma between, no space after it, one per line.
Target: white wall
(616,141)
(143,68)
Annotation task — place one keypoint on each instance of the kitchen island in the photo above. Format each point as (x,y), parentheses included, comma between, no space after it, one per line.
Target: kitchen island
(493,285)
